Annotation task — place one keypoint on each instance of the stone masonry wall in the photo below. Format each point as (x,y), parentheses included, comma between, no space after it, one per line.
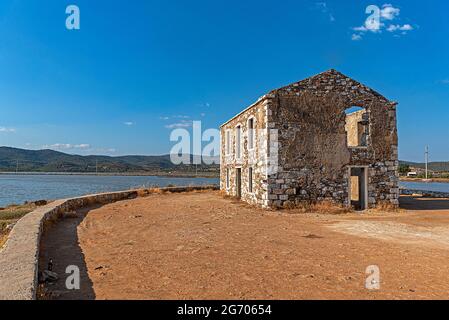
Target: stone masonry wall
(314,157)
(255,158)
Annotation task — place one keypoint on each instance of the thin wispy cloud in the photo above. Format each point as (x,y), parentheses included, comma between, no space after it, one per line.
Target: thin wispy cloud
(324,8)
(67,146)
(181,124)
(382,20)
(397,27)
(7,130)
(356,37)
(105,150)
(181,117)
(82,148)
(129,123)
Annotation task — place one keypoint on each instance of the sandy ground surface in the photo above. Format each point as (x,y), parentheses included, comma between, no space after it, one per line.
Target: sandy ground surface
(201,246)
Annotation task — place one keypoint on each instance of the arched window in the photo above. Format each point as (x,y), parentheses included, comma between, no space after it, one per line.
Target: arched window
(357,126)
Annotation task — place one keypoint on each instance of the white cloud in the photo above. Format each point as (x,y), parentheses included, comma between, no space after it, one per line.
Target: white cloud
(393,28)
(7,130)
(67,146)
(387,13)
(129,123)
(181,117)
(164,118)
(82,146)
(445,81)
(406,27)
(181,124)
(397,27)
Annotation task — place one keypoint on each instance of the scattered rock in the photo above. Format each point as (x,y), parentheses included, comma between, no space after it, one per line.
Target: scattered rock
(101,267)
(40,203)
(10,226)
(48,277)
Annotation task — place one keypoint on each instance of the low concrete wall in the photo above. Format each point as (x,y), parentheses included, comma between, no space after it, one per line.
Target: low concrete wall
(19,257)
(427,194)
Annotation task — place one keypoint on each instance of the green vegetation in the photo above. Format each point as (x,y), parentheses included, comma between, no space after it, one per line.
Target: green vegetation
(11,215)
(12,159)
(433,166)
(404,169)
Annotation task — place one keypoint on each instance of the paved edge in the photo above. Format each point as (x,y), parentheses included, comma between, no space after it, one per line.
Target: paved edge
(19,257)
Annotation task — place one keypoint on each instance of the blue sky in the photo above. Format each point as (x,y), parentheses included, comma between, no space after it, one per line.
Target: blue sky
(137,68)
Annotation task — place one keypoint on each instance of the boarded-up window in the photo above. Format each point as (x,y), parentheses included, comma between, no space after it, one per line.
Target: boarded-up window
(227,178)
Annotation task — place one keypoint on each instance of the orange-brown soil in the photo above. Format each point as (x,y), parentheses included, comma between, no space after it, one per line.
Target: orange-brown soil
(202,246)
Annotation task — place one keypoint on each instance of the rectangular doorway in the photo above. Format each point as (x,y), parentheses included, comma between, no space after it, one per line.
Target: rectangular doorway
(238,182)
(358,185)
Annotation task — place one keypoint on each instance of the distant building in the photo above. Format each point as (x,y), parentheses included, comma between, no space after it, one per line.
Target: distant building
(327,137)
(412,174)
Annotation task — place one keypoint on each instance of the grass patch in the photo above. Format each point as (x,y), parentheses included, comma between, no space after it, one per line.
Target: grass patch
(387,207)
(321,207)
(11,215)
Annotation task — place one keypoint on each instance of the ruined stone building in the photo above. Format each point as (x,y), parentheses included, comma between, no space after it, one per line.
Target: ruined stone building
(325,138)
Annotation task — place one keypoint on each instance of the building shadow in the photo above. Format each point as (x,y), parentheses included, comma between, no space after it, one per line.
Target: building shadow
(60,244)
(420,203)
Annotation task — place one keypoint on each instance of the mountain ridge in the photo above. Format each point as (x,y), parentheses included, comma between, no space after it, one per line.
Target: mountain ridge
(46,160)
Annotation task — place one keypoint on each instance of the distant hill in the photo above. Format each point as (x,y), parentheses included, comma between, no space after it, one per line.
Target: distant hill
(433,166)
(54,161)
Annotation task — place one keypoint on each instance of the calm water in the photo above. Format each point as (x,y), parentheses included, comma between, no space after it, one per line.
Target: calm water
(16,189)
(20,188)
(431,186)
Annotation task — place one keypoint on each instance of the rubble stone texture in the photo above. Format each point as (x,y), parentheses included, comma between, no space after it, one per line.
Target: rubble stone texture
(306,144)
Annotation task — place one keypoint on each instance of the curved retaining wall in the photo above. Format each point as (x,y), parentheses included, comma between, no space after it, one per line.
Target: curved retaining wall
(19,257)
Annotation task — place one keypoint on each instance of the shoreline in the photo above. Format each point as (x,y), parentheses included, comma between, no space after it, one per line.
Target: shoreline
(109,174)
(434,180)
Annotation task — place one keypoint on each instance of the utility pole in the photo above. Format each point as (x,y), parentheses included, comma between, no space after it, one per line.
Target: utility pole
(17,166)
(427,162)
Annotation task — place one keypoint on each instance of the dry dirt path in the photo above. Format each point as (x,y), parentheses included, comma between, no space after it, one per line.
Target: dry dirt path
(201,246)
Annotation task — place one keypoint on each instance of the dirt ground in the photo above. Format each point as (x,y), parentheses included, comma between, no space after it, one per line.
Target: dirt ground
(202,246)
